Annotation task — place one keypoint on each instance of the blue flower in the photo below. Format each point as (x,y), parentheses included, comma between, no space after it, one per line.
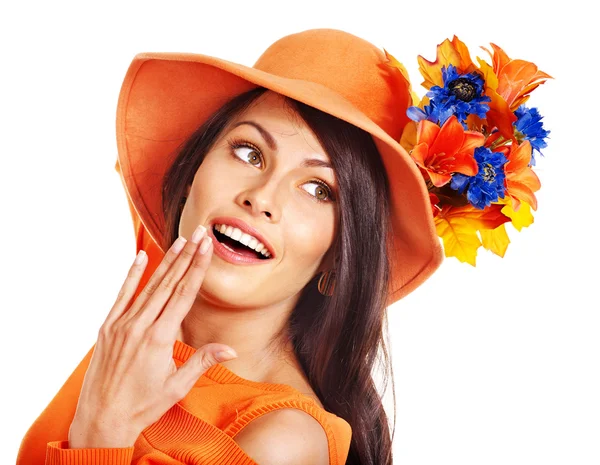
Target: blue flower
(461,95)
(529,127)
(487,185)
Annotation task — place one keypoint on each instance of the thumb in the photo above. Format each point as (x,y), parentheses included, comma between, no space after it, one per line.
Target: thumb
(205,357)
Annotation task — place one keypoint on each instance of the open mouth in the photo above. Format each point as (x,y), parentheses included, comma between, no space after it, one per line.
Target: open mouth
(237,246)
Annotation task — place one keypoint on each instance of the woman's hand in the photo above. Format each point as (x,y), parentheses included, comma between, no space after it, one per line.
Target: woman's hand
(132,379)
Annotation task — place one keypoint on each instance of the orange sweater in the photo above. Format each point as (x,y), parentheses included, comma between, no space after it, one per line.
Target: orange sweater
(197,430)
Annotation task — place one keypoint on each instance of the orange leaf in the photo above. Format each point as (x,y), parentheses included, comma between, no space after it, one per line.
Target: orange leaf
(409,136)
(399,66)
(495,240)
(466,64)
(447,53)
(459,238)
(521,217)
(457,226)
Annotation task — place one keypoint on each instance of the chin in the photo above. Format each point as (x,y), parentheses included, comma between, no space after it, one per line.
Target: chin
(239,290)
(228,289)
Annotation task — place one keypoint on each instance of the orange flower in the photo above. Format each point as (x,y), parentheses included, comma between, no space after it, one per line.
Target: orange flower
(500,114)
(516,78)
(439,152)
(521,181)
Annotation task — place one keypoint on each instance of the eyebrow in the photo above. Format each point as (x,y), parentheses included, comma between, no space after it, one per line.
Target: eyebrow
(307,163)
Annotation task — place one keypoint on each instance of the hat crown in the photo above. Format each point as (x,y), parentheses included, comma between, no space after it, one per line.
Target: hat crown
(165,97)
(348,65)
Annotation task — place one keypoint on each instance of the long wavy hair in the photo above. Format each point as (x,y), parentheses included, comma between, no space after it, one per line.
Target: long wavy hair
(339,340)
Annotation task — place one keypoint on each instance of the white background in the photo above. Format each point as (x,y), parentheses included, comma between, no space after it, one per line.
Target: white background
(495,364)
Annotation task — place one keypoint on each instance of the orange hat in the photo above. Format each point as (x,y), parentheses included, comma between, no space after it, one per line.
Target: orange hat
(166,96)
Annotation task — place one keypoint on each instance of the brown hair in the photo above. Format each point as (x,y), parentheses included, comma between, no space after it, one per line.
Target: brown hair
(336,339)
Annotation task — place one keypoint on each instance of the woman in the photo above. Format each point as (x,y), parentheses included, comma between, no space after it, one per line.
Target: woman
(278,217)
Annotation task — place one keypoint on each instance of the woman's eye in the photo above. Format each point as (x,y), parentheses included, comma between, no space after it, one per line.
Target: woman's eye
(247,154)
(318,191)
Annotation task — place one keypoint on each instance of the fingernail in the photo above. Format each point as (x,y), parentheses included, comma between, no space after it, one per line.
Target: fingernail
(179,244)
(198,233)
(140,257)
(205,245)
(226,354)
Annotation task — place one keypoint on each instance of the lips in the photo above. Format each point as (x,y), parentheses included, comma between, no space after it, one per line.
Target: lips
(245,227)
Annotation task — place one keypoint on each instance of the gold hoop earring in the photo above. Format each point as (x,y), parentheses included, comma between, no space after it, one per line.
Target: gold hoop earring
(326,283)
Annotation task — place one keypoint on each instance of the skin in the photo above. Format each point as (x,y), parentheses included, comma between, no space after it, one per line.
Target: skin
(240,305)
(206,302)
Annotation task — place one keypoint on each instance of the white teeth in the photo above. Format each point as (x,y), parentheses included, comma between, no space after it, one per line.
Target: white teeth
(246,239)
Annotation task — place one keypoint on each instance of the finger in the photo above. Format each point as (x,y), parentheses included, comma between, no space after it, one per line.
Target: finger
(183,380)
(157,301)
(158,275)
(128,288)
(169,321)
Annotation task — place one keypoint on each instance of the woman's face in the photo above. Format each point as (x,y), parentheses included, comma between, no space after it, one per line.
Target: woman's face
(255,173)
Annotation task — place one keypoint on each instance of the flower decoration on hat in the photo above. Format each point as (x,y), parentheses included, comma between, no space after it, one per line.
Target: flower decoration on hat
(475,142)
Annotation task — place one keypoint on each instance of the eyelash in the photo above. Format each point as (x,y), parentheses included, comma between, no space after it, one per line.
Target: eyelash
(239,143)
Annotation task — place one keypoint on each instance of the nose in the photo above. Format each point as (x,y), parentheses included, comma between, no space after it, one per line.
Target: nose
(261,199)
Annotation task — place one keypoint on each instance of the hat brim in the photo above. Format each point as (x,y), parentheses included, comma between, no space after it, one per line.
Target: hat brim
(165,97)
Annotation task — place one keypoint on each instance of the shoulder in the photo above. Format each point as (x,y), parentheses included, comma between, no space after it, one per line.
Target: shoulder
(286,436)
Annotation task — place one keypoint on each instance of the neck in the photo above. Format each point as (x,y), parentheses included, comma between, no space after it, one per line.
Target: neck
(258,335)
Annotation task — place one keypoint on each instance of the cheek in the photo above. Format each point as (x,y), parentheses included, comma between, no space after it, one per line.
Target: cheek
(209,184)
(311,236)
(206,190)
